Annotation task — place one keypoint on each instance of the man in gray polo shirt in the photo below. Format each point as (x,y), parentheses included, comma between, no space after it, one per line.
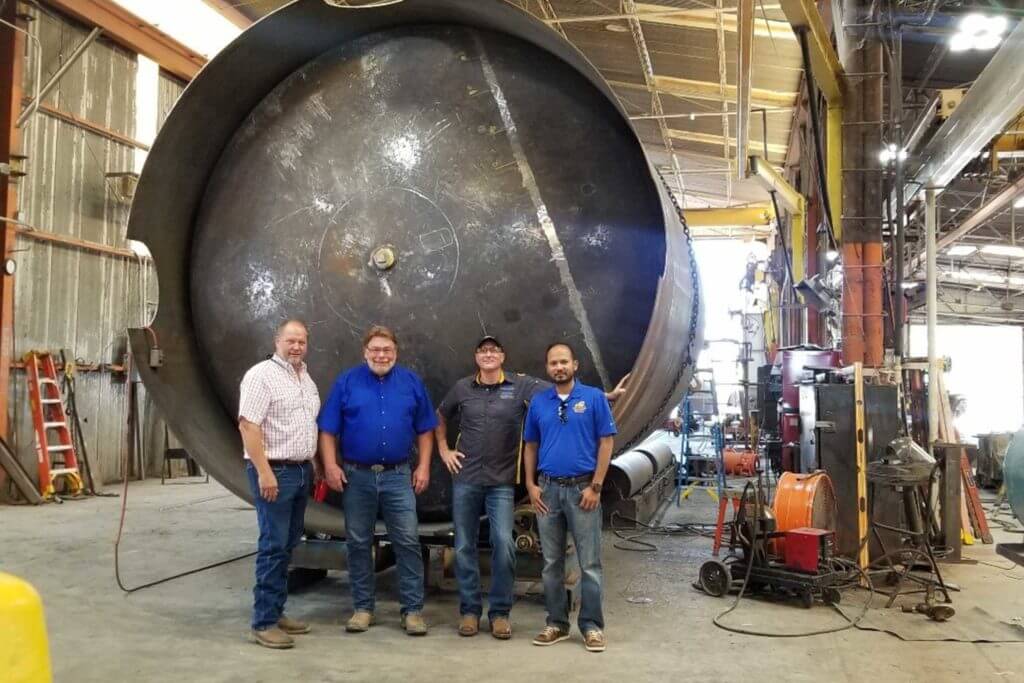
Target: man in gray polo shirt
(490,407)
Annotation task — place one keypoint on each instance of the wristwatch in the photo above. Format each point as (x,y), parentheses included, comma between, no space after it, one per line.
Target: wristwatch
(595,486)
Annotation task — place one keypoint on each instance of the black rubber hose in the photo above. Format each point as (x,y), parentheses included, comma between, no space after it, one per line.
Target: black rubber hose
(812,100)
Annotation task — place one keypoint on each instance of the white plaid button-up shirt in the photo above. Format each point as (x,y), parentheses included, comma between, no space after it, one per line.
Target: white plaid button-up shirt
(285,405)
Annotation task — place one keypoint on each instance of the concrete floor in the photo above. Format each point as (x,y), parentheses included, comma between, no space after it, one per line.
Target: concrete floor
(659,628)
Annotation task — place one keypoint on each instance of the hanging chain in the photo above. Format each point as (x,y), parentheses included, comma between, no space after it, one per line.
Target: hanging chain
(689,361)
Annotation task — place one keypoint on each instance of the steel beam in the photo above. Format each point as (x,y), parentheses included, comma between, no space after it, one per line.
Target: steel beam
(33,106)
(931,291)
(688,89)
(834,166)
(12,51)
(125,28)
(993,101)
(732,232)
(744,216)
(772,180)
(793,202)
(717,140)
(763,28)
(229,10)
(669,16)
(827,70)
(985,213)
(745,32)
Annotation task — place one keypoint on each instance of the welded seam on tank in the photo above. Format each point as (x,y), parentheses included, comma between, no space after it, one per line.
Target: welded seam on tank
(543,216)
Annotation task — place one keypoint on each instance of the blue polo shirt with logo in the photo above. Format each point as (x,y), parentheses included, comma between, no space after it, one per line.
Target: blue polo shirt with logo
(569,448)
(377,419)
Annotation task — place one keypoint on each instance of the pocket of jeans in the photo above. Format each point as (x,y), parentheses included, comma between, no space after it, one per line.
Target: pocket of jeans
(578,494)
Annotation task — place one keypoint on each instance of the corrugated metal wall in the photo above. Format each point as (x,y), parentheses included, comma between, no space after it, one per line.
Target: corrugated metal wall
(65,297)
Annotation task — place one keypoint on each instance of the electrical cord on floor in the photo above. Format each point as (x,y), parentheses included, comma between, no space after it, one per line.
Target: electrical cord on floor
(117,546)
(657,529)
(851,623)
(995,515)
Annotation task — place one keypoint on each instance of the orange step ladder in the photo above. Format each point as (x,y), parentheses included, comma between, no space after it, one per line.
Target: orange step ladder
(55,449)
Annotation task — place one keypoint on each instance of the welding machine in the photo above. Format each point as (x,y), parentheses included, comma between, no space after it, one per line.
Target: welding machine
(802,565)
(808,550)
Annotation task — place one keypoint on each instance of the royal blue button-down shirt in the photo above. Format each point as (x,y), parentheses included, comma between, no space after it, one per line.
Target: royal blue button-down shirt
(376,418)
(568,435)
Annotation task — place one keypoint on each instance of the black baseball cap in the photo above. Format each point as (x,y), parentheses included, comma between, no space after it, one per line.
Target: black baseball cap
(490,339)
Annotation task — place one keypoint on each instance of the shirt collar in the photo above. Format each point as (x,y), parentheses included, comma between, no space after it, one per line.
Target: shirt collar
(502,379)
(281,362)
(574,393)
(373,375)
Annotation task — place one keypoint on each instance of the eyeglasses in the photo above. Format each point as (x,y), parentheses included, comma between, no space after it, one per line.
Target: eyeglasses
(488,351)
(563,412)
(380,350)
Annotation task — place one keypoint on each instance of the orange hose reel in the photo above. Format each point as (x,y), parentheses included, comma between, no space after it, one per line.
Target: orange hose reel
(740,462)
(804,500)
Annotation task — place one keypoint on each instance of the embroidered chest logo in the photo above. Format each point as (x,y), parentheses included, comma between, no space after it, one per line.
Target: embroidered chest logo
(580,407)
(506,394)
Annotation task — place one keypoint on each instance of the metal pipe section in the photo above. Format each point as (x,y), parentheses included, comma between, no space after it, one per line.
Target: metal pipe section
(897,226)
(415,126)
(55,78)
(630,472)
(933,316)
(995,99)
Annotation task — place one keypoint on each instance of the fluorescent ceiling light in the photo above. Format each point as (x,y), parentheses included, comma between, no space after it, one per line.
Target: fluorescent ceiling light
(961,250)
(961,42)
(974,23)
(989,41)
(1019,204)
(1003,250)
(978,32)
(998,25)
(911,285)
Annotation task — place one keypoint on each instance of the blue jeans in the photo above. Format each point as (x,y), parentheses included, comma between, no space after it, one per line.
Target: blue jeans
(565,514)
(468,502)
(281,524)
(389,494)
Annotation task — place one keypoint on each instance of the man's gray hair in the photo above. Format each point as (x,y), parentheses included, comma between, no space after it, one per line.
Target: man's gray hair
(291,321)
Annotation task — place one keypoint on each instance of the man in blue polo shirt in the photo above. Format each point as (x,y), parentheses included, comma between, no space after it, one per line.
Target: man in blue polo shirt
(378,411)
(573,425)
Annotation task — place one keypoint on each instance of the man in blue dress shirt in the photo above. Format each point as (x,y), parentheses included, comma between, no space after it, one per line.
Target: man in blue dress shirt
(573,426)
(377,411)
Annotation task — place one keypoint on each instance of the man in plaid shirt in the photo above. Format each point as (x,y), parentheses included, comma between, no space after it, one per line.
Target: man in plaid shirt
(277,409)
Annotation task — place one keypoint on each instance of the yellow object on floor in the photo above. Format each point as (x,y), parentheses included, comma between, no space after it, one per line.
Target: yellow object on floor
(24,654)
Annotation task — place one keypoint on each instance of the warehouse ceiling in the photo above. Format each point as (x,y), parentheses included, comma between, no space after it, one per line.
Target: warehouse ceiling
(691,46)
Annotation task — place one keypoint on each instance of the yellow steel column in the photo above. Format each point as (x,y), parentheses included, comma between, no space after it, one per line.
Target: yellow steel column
(798,241)
(834,166)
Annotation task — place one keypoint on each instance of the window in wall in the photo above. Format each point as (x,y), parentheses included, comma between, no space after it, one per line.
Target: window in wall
(987,371)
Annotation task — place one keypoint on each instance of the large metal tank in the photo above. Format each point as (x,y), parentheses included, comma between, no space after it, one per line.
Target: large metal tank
(1013,475)
(465,139)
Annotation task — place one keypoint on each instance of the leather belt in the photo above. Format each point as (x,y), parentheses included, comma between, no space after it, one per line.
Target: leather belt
(566,481)
(378,467)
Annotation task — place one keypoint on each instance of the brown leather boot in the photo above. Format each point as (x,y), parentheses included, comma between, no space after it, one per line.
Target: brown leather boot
(469,625)
(360,621)
(413,624)
(274,638)
(292,626)
(501,628)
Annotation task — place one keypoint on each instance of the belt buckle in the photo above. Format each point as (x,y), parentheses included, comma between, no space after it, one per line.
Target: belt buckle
(377,468)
